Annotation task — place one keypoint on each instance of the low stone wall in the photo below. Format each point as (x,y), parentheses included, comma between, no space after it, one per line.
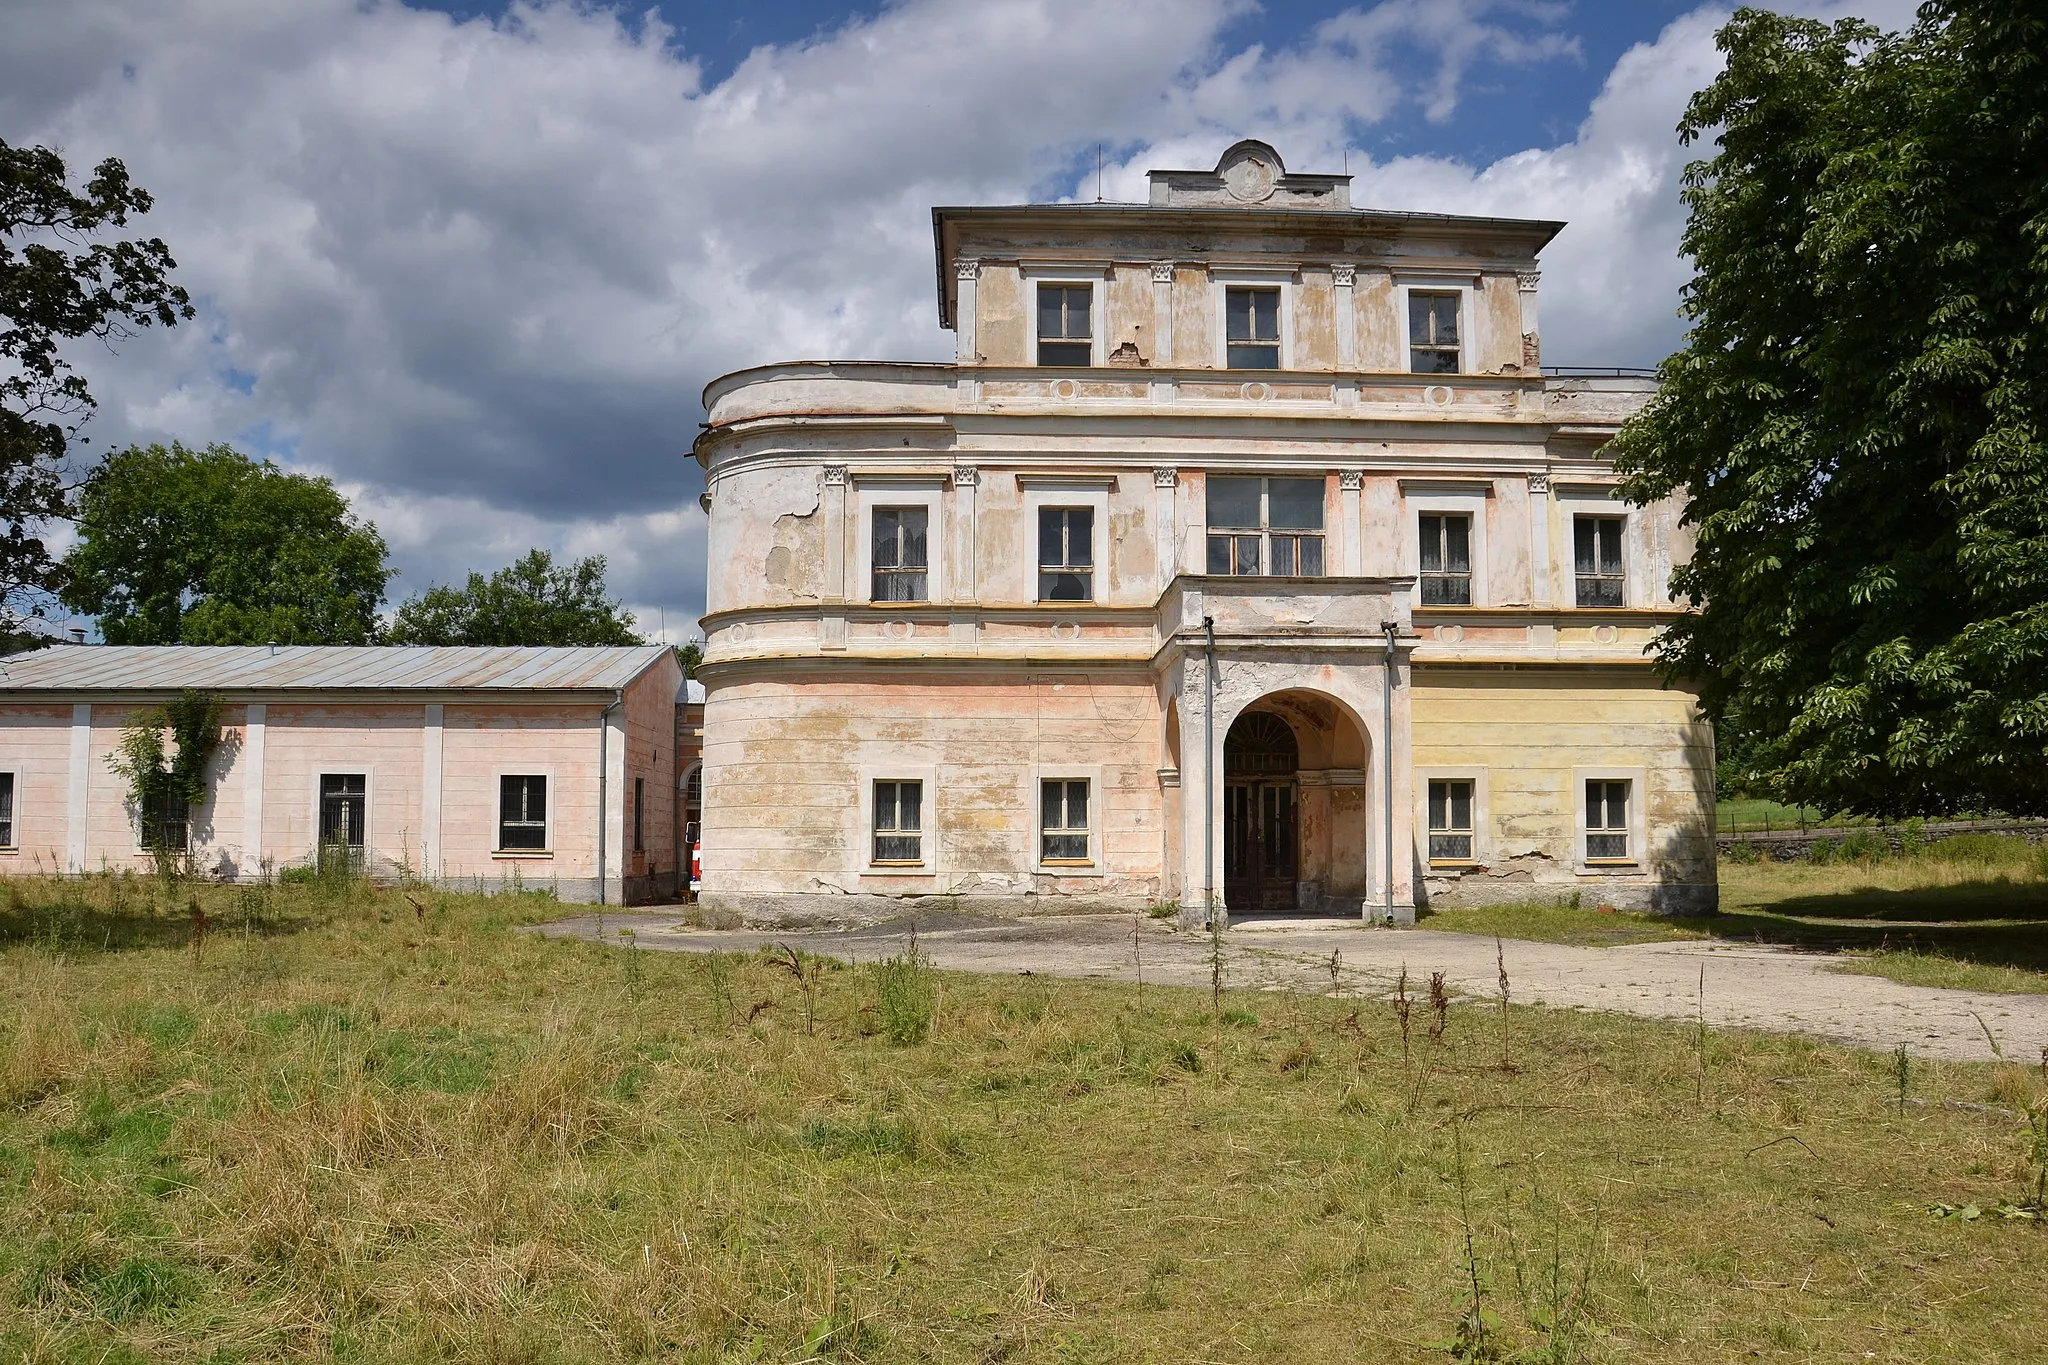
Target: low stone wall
(1795,845)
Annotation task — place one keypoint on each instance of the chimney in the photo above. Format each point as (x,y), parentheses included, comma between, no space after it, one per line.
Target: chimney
(78,635)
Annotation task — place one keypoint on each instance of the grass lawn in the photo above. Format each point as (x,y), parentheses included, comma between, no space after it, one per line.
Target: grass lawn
(1749,813)
(1969,913)
(356,1126)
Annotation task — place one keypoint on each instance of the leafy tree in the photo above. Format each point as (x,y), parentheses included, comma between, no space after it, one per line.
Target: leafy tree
(165,788)
(690,655)
(53,287)
(209,547)
(531,602)
(1857,417)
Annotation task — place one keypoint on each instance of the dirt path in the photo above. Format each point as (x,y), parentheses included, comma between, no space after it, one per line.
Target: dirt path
(1777,989)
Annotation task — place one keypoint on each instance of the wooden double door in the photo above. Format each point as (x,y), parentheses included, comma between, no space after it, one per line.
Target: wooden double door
(1261,844)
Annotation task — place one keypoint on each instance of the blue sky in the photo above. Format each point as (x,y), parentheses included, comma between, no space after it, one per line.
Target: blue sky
(477,263)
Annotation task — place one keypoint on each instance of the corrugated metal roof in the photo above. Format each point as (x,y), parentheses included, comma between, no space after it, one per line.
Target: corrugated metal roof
(691,693)
(259,668)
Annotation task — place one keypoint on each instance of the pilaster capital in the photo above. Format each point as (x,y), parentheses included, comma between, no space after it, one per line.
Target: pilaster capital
(835,475)
(1162,272)
(1351,480)
(1526,277)
(1539,483)
(966,476)
(1165,476)
(967,268)
(1343,274)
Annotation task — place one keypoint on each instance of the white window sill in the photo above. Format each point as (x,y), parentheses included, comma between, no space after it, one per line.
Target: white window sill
(897,870)
(1595,866)
(1080,867)
(523,854)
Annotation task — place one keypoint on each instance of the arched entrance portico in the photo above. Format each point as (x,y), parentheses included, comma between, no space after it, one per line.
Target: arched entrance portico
(1295,807)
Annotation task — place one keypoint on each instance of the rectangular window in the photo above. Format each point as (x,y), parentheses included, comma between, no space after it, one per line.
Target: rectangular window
(899,822)
(1063,820)
(1446,545)
(1433,333)
(1252,329)
(639,804)
(1066,554)
(1064,337)
(344,817)
(1265,526)
(1450,822)
(167,824)
(523,814)
(1596,556)
(6,810)
(1607,821)
(899,560)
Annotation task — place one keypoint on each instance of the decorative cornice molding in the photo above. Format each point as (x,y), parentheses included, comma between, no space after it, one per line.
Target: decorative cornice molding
(1165,476)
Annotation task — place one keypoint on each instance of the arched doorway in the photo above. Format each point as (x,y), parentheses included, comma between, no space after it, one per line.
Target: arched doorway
(1261,814)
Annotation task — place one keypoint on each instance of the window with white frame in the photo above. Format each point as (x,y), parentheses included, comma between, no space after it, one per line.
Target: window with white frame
(1433,332)
(899,559)
(1596,561)
(1450,820)
(899,822)
(6,810)
(1063,820)
(1265,526)
(1607,820)
(1445,542)
(1251,315)
(1066,554)
(1065,336)
(523,813)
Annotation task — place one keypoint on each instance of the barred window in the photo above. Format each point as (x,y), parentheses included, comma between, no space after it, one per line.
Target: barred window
(1063,820)
(166,823)
(6,810)
(1450,821)
(1446,545)
(899,822)
(1607,820)
(523,813)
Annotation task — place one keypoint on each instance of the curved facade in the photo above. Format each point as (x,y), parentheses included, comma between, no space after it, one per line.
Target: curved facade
(982,633)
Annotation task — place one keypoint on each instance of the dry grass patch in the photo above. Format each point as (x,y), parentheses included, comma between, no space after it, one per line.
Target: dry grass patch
(358,1133)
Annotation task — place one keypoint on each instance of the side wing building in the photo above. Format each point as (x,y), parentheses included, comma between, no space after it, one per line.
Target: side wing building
(1245,556)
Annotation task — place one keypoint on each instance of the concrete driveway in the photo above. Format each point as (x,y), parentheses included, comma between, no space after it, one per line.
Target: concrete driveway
(1747,986)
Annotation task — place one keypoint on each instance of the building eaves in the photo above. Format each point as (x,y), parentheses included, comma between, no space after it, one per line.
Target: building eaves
(325,668)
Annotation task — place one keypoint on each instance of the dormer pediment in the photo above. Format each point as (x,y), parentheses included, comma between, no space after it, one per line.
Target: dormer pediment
(1249,174)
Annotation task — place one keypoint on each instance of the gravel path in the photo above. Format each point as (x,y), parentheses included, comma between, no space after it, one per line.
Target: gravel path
(1777,989)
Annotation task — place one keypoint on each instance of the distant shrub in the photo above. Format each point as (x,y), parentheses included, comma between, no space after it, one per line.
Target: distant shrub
(2006,852)
(1821,852)
(909,995)
(1913,838)
(1742,851)
(1862,845)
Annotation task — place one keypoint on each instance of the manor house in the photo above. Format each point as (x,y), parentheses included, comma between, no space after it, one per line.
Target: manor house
(1244,558)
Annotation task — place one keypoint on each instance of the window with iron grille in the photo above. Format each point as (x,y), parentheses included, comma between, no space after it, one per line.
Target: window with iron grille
(1446,545)
(1450,821)
(899,560)
(1265,526)
(1063,820)
(1252,329)
(899,822)
(1064,335)
(1433,333)
(693,787)
(167,823)
(6,810)
(1596,559)
(1607,820)
(1066,554)
(523,813)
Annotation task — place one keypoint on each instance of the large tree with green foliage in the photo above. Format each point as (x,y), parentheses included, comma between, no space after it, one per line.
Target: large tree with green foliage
(54,286)
(1857,418)
(532,602)
(209,547)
